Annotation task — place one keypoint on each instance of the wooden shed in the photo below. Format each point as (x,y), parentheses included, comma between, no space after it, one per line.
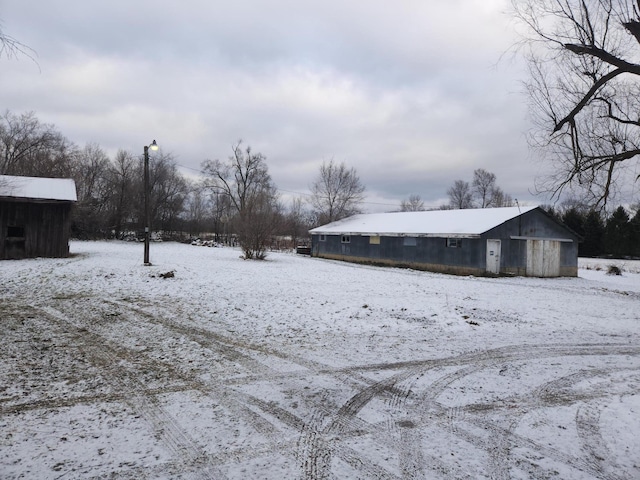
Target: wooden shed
(35,216)
(493,241)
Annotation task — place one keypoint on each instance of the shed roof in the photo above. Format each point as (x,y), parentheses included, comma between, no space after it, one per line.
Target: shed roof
(469,222)
(38,188)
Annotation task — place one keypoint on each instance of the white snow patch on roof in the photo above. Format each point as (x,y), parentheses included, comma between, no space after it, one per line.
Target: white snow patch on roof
(38,188)
(436,222)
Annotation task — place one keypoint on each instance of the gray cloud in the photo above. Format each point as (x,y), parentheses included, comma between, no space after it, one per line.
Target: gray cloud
(412,94)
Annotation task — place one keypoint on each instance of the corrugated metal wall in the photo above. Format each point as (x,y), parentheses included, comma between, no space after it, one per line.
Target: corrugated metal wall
(534,224)
(469,256)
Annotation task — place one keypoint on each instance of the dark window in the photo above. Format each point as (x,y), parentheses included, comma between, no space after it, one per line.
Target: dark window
(15,232)
(323,238)
(346,239)
(410,241)
(454,242)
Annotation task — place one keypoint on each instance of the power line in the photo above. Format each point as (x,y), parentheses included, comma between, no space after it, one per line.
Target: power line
(190,168)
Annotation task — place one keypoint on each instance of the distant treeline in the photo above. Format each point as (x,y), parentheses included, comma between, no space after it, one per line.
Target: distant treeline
(110,188)
(616,235)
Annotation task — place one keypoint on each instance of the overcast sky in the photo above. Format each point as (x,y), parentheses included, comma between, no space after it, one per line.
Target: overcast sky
(413,94)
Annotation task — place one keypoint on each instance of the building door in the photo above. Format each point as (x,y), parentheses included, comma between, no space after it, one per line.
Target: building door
(493,256)
(543,258)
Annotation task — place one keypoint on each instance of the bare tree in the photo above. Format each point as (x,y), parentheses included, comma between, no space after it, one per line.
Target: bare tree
(482,193)
(196,209)
(460,195)
(91,174)
(123,189)
(413,204)
(483,185)
(501,199)
(31,148)
(584,90)
(297,220)
(221,215)
(245,180)
(168,192)
(336,193)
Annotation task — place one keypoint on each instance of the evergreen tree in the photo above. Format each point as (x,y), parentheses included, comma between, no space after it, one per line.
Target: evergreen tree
(593,244)
(617,238)
(635,234)
(551,210)
(573,219)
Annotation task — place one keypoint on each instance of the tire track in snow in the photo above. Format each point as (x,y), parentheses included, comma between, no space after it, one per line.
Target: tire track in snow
(588,428)
(344,419)
(166,428)
(311,445)
(237,402)
(225,397)
(499,450)
(398,391)
(551,394)
(171,433)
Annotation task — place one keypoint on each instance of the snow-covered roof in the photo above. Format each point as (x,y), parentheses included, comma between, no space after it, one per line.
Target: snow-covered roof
(38,188)
(470,222)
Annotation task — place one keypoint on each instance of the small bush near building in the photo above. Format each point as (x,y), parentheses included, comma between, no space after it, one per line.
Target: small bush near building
(614,270)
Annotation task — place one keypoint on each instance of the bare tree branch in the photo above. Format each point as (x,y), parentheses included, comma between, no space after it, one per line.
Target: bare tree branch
(587,98)
(584,108)
(12,48)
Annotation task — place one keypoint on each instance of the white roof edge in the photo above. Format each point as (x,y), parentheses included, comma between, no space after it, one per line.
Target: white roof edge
(389,234)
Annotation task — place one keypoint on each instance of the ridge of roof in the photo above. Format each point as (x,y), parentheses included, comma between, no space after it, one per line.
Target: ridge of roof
(445,222)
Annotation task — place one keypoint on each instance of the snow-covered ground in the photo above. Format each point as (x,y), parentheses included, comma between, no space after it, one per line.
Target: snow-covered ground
(305,368)
(629,266)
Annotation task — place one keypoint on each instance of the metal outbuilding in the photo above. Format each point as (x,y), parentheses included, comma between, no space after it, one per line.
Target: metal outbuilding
(492,241)
(35,216)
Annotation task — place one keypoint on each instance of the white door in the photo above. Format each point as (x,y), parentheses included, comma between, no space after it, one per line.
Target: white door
(493,256)
(551,258)
(543,258)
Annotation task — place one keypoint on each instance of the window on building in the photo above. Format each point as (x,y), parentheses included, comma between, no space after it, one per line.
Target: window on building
(15,232)
(410,241)
(454,242)
(374,240)
(346,238)
(323,238)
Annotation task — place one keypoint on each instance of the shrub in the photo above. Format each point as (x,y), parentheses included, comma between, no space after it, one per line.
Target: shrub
(614,270)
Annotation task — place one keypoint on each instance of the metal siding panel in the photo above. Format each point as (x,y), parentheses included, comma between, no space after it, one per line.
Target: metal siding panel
(569,254)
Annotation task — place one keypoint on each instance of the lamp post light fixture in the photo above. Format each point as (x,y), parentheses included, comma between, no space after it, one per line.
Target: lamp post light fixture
(147,220)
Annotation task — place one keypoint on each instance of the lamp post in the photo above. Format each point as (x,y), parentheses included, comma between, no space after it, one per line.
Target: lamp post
(147,222)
